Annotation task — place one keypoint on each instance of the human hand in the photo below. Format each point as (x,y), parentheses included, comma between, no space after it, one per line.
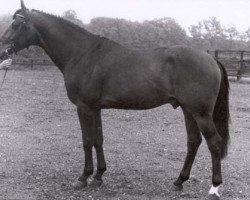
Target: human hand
(6,64)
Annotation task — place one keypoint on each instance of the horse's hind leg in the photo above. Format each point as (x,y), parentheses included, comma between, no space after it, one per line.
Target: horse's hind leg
(193,142)
(208,129)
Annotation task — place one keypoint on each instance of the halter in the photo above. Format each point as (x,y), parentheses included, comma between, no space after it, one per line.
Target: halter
(11,49)
(20,16)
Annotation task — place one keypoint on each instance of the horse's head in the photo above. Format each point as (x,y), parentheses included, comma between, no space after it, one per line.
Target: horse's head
(19,35)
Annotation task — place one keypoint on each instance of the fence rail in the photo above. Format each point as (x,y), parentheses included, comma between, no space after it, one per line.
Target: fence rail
(237,63)
(32,62)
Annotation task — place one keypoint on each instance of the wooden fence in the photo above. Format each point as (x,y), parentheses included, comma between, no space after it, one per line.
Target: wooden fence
(32,63)
(237,63)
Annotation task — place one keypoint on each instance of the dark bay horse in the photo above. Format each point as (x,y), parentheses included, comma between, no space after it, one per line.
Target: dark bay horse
(101,74)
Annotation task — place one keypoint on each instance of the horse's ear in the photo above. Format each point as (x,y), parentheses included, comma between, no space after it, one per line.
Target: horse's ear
(24,9)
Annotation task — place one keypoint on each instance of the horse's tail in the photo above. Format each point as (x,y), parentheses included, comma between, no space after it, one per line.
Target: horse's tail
(221,110)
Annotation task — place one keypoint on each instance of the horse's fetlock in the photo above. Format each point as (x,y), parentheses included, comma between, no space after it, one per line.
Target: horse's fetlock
(102,169)
(88,171)
(183,177)
(217,182)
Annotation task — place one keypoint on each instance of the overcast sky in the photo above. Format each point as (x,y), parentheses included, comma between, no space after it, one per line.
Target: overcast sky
(185,12)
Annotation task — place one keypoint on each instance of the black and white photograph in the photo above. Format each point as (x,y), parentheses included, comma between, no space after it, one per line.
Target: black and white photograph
(125,100)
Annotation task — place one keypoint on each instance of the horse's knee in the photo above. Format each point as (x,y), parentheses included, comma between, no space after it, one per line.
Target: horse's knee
(88,144)
(98,143)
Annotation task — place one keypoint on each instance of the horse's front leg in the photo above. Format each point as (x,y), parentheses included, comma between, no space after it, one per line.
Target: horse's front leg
(98,144)
(87,122)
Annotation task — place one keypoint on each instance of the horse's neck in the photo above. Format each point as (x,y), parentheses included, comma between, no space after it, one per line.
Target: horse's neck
(62,42)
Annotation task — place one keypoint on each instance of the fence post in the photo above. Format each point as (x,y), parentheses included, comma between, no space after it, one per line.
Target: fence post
(32,63)
(216,54)
(241,65)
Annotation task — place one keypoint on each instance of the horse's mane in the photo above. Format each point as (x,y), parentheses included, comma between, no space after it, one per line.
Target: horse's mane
(67,23)
(64,21)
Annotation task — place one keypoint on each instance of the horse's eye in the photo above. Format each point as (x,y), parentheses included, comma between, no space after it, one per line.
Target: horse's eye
(16,24)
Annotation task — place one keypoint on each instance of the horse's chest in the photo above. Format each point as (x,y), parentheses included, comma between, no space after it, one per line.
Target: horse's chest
(81,92)
(83,86)
(72,91)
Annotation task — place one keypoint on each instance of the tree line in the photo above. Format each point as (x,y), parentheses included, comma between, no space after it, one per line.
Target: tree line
(208,34)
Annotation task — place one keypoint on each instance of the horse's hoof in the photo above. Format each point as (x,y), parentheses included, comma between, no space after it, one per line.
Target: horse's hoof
(176,187)
(96,183)
(213,197)
(78,185)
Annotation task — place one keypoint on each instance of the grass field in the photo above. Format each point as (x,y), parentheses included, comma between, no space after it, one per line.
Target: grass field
(41,149)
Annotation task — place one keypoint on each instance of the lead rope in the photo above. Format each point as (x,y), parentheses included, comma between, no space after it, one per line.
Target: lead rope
(6,70)
(5,73)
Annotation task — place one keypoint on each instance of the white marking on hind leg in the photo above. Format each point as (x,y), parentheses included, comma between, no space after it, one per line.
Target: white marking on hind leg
(214,190)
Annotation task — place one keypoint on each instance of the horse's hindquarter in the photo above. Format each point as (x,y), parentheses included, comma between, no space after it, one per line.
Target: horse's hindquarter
(196,78)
